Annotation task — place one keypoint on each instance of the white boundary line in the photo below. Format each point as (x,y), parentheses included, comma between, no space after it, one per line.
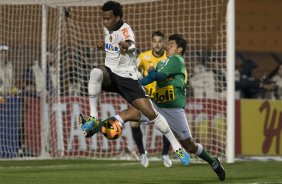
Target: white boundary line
(63,166)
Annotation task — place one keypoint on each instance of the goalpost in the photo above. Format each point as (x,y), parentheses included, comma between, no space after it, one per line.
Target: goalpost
(51,49)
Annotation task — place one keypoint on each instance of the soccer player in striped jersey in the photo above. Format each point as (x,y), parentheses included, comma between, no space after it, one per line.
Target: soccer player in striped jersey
(119,74)
(146,60)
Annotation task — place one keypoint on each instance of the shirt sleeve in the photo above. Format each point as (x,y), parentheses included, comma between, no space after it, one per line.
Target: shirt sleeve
(153,76)
(172,67)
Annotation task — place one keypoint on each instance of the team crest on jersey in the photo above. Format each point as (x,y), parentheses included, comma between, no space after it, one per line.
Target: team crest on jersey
(164,63)
(125,33)
(147,57)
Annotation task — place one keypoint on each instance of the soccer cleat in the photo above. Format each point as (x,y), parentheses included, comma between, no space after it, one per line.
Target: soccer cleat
(81,120)
(144,160)
(166,160)
(89,127)
(183,156)
(218,169)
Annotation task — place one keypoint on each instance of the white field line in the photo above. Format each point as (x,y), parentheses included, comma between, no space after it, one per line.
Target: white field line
(62,166)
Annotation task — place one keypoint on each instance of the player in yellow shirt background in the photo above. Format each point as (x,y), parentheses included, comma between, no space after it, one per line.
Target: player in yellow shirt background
(146,60)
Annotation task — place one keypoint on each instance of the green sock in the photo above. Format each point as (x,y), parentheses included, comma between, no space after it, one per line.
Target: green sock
(206,157)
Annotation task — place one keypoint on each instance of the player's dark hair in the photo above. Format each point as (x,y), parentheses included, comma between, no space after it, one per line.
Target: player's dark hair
(180,41)
(158,33)
(113,6)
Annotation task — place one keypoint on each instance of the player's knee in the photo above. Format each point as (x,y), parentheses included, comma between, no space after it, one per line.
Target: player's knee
(96,76)
(161,124)
(152,115)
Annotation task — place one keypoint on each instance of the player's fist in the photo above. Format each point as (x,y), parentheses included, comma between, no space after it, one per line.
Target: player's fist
(99,45)
(123,46)
(151,67)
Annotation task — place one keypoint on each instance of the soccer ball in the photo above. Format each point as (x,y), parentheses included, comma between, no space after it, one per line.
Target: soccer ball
(111,129)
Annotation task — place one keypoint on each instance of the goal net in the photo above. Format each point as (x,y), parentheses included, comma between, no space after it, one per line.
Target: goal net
(47,53)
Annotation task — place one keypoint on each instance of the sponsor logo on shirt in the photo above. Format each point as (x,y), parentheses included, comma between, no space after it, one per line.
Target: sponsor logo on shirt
(164,94)
(110,47)
(150,91)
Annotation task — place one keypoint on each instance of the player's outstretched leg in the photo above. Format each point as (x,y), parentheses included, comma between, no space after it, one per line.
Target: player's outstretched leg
(218,169)
(213,161)
(133,114)
(162,125)
(81,120)
(183,156)
(201,152)
(90,126)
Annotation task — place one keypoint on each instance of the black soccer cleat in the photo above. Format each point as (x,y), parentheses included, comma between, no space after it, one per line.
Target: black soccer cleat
(218,169)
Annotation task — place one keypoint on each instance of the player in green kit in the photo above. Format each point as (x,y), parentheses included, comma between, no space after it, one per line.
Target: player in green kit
(170,100)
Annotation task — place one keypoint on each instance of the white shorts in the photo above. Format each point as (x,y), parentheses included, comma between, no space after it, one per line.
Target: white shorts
(176,119)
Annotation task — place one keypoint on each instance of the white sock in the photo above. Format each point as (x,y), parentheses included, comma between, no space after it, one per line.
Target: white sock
(94,90)
(200,149)
(162,125)
(120,120)
(93,103)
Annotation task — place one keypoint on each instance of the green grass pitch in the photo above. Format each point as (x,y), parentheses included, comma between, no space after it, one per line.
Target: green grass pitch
(124,172)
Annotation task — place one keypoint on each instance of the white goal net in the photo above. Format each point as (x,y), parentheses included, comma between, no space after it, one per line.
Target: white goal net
(47,52)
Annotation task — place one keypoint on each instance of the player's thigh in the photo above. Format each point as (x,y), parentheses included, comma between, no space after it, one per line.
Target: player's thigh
(177,121)
(145,106)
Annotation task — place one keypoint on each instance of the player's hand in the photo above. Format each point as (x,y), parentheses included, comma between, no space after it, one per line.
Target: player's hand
(99,45)
(123,46)
(151,67)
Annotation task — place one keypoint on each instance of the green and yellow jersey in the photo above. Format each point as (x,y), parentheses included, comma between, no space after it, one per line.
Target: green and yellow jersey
(144,61)
(171,93)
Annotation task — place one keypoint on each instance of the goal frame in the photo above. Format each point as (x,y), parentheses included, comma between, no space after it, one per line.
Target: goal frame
(230,56)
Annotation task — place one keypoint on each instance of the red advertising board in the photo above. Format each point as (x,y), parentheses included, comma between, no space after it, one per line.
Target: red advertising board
(206,119)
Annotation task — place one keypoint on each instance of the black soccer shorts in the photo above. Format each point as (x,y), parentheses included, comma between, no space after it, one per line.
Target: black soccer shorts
(128,88)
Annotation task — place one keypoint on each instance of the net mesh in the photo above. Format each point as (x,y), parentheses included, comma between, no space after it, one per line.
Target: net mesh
(71,35)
